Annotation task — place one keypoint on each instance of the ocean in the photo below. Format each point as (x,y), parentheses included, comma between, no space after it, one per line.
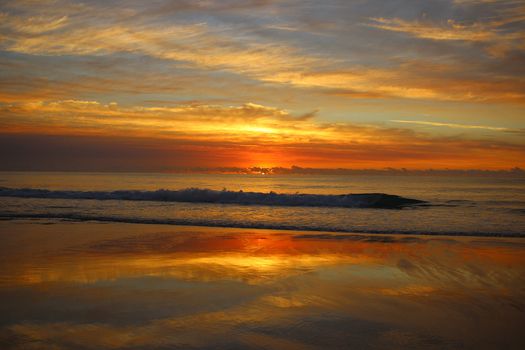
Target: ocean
(404,204)
(181,261)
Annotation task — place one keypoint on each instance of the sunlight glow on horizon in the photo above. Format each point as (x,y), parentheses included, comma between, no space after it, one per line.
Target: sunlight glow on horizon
(224,85)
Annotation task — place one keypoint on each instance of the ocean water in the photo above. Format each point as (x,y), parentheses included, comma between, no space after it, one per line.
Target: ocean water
(450,205)
(83,265)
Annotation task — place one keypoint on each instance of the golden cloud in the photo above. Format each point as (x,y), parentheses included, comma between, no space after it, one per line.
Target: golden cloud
(219,48)
(251,134)
(497,40)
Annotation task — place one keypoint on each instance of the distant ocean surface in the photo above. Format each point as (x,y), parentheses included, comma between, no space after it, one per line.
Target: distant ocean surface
(447,205)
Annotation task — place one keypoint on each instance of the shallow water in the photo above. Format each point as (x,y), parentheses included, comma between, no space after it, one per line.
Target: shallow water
(484,206)
(71,285)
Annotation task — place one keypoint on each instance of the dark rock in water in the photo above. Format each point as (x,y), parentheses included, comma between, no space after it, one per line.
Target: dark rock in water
(387,201)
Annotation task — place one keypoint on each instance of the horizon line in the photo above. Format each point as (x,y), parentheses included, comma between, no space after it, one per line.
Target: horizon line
(292,170)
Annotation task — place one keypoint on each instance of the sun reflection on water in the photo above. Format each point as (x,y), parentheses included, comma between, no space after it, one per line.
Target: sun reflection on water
(136,286)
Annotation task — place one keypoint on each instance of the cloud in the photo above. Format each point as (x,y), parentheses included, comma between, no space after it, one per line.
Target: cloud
(456,126)
(212,47)
(195,120)
(414,79)
(31,25)
(494,32)
(196,44)
(234,135)
(260,86)
(451,31)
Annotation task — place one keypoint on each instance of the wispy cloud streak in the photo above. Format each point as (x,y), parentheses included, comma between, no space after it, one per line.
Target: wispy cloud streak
(455,126)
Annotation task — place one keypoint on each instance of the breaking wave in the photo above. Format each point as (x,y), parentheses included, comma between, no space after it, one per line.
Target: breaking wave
(198,195)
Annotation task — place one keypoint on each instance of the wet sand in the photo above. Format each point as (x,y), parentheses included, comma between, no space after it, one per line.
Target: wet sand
(70,285)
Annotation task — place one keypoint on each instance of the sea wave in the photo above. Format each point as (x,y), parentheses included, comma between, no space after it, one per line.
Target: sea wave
(249,225)
(198,195)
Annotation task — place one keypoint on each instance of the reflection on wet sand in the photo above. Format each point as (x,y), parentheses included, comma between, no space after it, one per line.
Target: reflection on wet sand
(97,286)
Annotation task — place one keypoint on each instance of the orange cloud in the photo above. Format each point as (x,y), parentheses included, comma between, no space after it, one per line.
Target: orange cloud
(204,47)
(251,134)
(135,57)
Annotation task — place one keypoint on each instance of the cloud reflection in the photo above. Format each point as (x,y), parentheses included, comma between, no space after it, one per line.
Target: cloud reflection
(148,289)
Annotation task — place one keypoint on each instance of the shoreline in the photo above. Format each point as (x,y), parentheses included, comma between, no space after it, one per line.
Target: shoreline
(314,233)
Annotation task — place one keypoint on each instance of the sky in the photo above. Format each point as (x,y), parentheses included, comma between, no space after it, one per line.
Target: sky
(164,85)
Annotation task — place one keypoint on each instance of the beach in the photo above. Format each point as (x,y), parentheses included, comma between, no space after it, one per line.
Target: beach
(92,285)
(262,174)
